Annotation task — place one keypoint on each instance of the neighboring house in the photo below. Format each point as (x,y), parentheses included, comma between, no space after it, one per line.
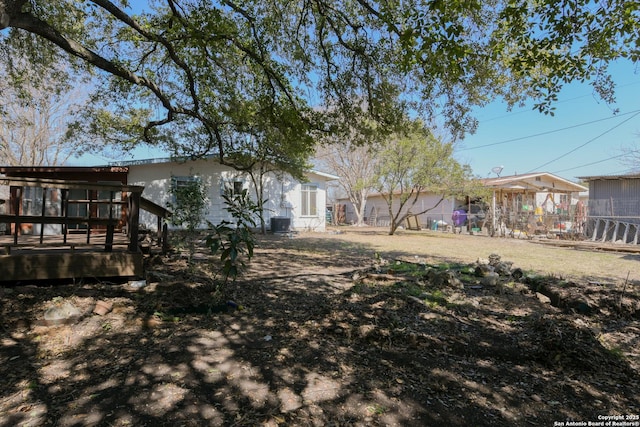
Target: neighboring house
(300,206)
(532,203)
(377,210)
(614,208)
(541,200)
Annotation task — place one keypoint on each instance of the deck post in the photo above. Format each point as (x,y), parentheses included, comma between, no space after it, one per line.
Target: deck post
(626,232)
(133,220)
(165,240)
(108,240)
(44,211)
(16,211)
(614,237)
(89,214)
(64,194)
(605,231)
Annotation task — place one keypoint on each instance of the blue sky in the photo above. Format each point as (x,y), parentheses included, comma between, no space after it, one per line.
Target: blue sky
(525,140)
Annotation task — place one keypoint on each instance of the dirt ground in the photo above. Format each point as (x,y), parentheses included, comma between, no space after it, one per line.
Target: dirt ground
(349,327)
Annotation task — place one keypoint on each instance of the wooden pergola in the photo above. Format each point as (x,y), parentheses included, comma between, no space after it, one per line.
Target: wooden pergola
(95,235)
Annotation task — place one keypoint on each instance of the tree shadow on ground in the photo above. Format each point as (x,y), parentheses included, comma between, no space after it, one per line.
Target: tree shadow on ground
(309,347)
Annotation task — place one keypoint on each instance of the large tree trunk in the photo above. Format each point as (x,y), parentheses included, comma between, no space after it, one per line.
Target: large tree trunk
(392,228)
(360,213)
(392,219)
(359,202)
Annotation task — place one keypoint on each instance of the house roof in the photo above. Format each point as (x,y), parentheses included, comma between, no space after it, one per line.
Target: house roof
(326,175)
(73,173)
(161,160)
(11,170)
(603,177)
(152,161)
(538,182)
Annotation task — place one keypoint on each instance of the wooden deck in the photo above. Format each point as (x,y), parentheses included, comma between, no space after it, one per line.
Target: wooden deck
(31,260)
(74,241)
(91,245)
(69,265)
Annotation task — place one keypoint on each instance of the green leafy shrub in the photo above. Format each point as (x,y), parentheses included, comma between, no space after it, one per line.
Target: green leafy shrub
(188,206)
(234,240)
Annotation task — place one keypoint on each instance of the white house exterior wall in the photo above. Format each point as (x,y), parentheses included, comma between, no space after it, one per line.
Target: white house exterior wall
(311,222)
(551,201)
(283,195)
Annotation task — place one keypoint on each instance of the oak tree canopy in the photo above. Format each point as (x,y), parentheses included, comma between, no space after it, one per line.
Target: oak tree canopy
(194,75)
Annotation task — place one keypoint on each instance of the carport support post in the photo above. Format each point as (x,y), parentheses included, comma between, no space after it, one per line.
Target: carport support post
(595,230)
(493,209)
(606,230)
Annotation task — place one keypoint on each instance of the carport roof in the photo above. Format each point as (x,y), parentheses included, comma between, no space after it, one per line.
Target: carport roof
(536,182)
(603,177)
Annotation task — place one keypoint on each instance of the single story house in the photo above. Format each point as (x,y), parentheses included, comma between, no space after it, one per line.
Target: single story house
(290,203)
(614,208)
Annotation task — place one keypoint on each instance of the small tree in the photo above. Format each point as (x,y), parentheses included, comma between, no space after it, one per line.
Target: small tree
(355,165)
(264,151)
(234,240)
(189,209)
(413,163)
(630,157)
(38,113)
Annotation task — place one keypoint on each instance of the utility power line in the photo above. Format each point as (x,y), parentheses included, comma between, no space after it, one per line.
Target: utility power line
(585,144)
(551,131)
(512,113)
(593,163)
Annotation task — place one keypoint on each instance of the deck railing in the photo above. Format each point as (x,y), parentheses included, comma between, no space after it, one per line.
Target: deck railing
(104,210)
